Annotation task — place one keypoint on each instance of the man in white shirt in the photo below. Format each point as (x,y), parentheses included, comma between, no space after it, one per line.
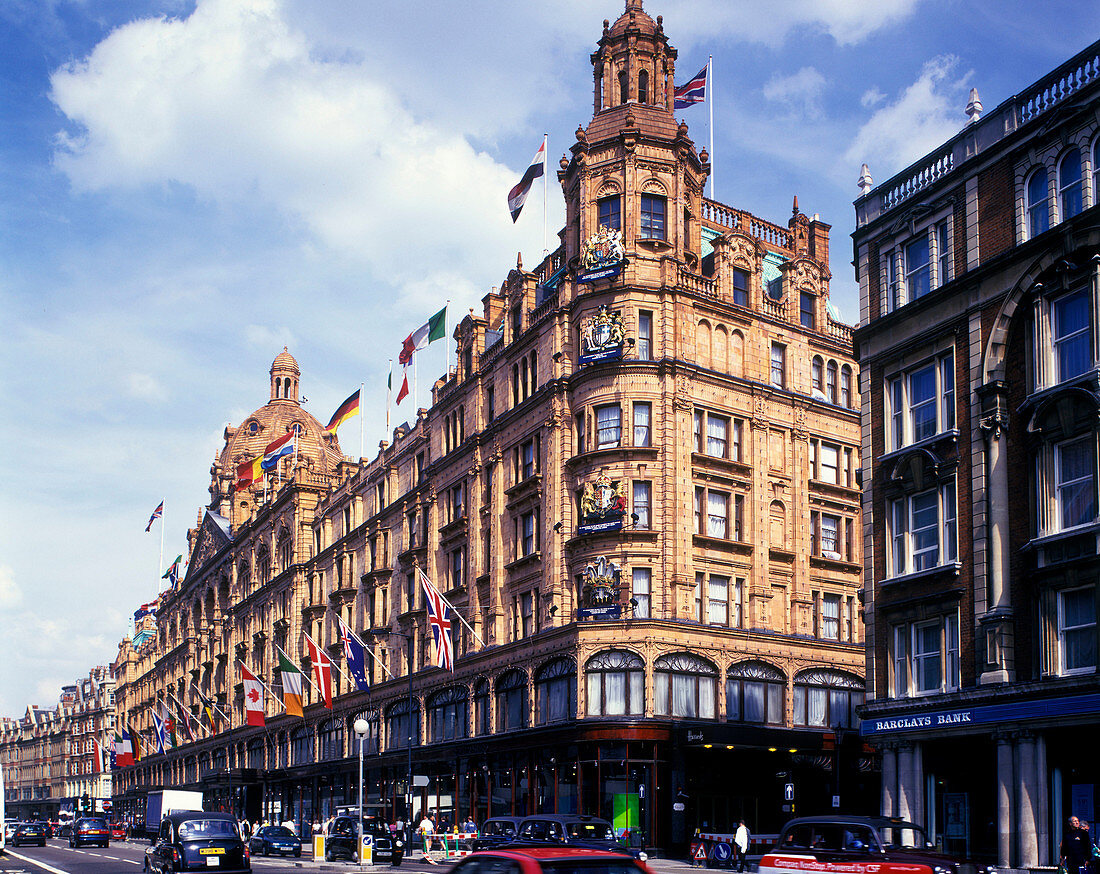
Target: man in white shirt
(427,829)
(741,843)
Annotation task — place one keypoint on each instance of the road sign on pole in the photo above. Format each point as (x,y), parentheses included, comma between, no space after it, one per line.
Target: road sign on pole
(788,791)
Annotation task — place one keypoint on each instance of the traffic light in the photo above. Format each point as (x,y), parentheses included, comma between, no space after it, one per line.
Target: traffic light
(85,803)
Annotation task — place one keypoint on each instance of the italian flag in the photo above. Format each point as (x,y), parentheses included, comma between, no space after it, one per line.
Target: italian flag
(422,336)
(292,685)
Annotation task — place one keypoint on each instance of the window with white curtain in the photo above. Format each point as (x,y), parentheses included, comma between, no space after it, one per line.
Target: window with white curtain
(685,686)
(830,617)
(641,424)
(643,494)
(754,693)
(718,600)
(615,684)
(712,434)
(641,590)
(826,699)
(555,692)
(608,426)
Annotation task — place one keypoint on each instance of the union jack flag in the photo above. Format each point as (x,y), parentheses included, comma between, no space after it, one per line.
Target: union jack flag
(694,91)
(439,618)
(157,513)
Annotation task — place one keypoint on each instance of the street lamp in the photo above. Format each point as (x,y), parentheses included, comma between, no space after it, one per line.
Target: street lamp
(361,728)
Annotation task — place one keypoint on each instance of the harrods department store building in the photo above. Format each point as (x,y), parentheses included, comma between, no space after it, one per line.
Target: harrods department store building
(979,272)
(640,487)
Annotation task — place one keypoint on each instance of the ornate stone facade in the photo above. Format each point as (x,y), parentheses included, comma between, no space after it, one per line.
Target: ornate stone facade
(703,392)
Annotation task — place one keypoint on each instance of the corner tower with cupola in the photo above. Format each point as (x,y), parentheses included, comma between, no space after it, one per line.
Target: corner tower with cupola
(633,168)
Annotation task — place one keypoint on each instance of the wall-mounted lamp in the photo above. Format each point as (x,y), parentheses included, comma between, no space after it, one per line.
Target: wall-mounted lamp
(630,341)
(553,609)
(556,356)
(634,603)
(558,526)
(634,518)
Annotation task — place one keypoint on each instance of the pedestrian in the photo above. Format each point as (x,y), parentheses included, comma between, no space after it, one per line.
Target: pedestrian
(426,830)
(741,843)
(469,826)
(1075,851)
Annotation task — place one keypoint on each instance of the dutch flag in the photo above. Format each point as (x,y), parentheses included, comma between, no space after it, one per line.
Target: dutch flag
(518,195)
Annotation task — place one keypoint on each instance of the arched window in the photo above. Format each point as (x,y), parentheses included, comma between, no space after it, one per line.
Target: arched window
(643,87)
(1038,212)
(846,386)
(301,745)
(720,350)
(778,525)
(244,576)
(511,699)
(754,693)
(702,344)
(370,739)
(817,369)
(255,754)
(448,714)
(481,708)
(830,382)
(331,737)
(615,684)
(399,722)
(826,698)
(283,550)
(624,87)
(737,353)
(1069,185)
(556,692)
(263,564)
(686,686)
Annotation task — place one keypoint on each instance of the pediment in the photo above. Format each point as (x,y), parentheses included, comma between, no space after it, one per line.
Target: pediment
(213,538)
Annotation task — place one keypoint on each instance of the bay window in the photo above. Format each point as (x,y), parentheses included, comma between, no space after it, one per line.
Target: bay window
(922,531)
(642,424)
(1075,482)
(609,426)
(712,513)
(641,586)
(921,402)
(917,265)
(1077,631)
(712,435)
(925,656)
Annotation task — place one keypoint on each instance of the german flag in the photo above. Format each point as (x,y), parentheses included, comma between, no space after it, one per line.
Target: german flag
(345,411)
(249,472)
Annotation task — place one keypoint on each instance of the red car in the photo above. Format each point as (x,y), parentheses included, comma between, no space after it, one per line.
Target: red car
(549,860)
(118,831)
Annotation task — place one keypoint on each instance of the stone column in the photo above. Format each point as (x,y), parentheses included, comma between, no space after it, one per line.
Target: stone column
(905,780)
(1025,749)
(997,620)
(916,798)
(1004,799)
(1042,807)
(888,804)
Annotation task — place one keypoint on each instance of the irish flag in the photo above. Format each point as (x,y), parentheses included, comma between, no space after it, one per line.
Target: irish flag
(253,698)
(422,336)
(292,685)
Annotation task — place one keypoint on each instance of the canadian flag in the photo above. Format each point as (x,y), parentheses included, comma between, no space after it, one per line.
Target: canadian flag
(253,698)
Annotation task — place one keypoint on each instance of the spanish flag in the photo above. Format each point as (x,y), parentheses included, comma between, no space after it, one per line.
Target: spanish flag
(248,472)
(345,411)
(292,685)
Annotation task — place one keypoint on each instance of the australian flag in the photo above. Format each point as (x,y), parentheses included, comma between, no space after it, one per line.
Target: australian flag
(694,91)
(356,657)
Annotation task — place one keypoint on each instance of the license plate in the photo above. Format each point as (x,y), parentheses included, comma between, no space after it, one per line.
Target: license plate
(212,851)
(212,861)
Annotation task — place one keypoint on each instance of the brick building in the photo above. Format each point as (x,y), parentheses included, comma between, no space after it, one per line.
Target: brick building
(980,294)
(639,485)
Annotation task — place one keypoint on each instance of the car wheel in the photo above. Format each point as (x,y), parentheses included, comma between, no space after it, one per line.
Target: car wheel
(298,853)
(266,851)
(354,855)
(329,857)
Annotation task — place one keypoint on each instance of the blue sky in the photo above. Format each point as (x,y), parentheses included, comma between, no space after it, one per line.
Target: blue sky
(187,187)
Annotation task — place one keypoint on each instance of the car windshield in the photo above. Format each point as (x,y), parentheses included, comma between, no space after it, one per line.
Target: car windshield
(201,829)
(591,831)
(279,831)
(501,828)
(903,835)
(602,866)
(93,823)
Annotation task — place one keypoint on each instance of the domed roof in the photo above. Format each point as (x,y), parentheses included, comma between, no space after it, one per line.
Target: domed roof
(285,361)
(634,16)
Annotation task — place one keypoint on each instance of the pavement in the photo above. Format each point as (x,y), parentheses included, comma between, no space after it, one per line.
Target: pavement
(657,866)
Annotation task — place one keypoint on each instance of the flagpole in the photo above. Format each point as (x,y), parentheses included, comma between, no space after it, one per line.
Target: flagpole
(367,649)
(361,417)
(160,560)
(210,703)
(300,671)
(450,606)
(446,341)
(389,389)
(416,388)
(710,106)
(262,685)
(330,661)
(545,190)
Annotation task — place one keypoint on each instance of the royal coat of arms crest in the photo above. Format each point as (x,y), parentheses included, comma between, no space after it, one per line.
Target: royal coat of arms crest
(600,590)
(602,255)
(603,504)
(602,337)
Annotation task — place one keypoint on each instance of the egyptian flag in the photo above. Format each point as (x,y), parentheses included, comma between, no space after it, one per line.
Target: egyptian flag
(693,91)
(249,472)
(518,195)
(345,411)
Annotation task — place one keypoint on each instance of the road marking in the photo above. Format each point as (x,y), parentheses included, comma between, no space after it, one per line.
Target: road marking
(30,860)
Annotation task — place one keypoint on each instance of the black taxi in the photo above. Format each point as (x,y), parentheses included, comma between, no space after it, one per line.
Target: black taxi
(859,845)
(198,840)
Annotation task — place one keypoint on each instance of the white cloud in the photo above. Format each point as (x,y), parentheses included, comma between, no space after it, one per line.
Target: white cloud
(10,593)
(927,113)
(263,337)
(145,387)
(871,97)
(234,103)
(801,92)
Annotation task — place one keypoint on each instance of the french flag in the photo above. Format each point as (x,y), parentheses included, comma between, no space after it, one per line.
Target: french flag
(518,195)
(694,91)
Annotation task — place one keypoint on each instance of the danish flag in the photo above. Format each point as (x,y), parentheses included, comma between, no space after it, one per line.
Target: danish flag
(322,669)
(439,619)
